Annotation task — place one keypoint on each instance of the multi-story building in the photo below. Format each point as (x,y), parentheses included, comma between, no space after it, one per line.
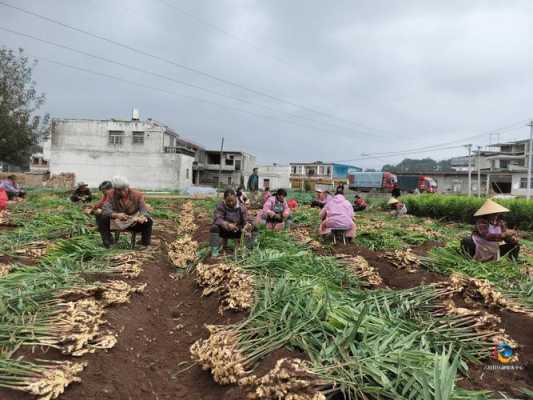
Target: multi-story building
(320,174)
(233,168)
(148,153)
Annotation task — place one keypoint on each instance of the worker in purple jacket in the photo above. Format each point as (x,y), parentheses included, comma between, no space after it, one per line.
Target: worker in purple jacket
(14,192)
(230,222)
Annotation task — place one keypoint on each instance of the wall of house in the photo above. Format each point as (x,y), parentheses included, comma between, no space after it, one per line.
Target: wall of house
(458,184)
(519,184)
(278,176)
(82,147)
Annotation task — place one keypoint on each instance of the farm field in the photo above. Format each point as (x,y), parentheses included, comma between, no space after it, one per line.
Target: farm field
(397,314)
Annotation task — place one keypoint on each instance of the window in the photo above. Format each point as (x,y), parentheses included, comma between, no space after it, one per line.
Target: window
(237,165)
(504,163)
(328,171)
(138,138)
(523,183)
(35,160)
(294,170)
(187,173)
(213,158)
(229,161)
(44,162)
(229,180)
(115,137)
(266,183)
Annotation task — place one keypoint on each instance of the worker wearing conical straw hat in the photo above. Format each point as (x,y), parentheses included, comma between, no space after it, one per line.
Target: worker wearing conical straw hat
(490,238)
(397,208)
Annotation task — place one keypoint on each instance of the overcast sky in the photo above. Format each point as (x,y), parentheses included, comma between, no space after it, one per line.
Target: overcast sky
(325,80)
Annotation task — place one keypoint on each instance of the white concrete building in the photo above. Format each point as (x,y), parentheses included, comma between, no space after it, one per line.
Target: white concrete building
(148,153)
(274,176)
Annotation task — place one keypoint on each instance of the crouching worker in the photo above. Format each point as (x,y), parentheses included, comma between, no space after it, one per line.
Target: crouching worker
(322,197)
(13,190)
(82,193)
(230,222)
(124,210)
(337,214)
(106,187)
(275,212)
(359,204)
(490,238)
(397,208)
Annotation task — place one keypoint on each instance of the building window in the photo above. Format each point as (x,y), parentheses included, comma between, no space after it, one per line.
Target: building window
(138,138)
(229,180)
(35,160)
(187,173)
(44,162)
(294,170)
(328,171)
(504,164)
(229,161)
(115,137)
(523,183)
(237,165)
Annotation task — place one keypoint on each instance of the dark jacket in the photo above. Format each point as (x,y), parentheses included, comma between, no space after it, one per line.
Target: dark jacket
(223,214)
(82,194)
(253,183)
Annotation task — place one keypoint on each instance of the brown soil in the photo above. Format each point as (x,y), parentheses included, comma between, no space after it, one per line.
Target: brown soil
(518,326)
(155,331)
(152,361)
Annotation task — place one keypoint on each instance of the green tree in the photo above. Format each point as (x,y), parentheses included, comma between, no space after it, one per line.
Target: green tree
(20,127)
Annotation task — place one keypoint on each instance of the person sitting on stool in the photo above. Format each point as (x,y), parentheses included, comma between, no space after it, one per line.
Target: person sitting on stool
(124,210)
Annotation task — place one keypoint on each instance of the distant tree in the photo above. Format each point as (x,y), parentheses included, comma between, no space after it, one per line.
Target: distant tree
(418,165)
(371,170)
(20,127)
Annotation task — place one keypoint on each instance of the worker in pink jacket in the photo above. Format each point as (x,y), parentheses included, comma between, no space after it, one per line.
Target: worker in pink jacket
(337,214)
(275,212)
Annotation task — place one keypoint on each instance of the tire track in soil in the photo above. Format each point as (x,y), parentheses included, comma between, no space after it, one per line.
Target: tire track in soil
(519,327)
(145,363)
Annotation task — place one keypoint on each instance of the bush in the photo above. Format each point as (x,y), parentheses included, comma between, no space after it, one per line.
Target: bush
(462,208)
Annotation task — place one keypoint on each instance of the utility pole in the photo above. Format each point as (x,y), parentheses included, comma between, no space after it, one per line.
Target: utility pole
(220,167)
(478,171)
(530,152)
(469,146)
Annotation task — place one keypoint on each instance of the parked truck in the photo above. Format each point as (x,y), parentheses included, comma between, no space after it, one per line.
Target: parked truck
(371,181)
(424,184)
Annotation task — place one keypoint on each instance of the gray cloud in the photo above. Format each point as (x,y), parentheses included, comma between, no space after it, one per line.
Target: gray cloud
(419,72)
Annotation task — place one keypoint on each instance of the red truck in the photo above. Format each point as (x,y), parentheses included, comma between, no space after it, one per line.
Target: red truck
(425,184)
(371,181)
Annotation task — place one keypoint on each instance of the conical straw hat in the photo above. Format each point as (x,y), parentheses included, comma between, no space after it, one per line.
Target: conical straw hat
(490,207)
(393,201)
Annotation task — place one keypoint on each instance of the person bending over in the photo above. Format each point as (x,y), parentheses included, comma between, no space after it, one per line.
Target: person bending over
(124,210)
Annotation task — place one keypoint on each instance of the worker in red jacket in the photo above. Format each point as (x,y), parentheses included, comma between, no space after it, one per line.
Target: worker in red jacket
(3,200)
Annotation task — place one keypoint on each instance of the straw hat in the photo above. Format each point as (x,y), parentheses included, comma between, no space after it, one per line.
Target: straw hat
(393,201)
(490,207)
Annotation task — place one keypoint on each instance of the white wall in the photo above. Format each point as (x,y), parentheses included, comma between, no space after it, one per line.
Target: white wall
(82,147)
(279,176)
(515,185)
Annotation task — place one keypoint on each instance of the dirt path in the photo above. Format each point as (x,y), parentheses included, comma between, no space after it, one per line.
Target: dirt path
(155,331)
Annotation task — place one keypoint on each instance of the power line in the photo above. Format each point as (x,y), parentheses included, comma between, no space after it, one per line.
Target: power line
(439,146)
(185,67)
(373,157)
(219,29)
(165,77)
(198,99)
